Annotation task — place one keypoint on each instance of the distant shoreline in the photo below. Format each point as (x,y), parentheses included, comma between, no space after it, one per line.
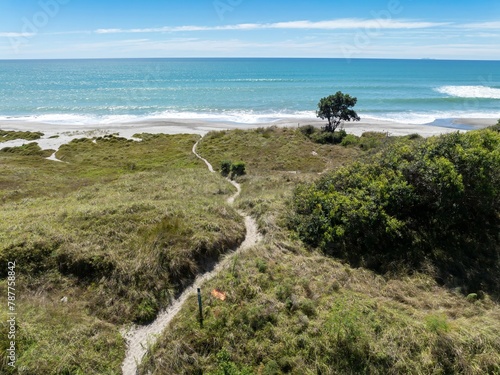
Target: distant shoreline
(56,135)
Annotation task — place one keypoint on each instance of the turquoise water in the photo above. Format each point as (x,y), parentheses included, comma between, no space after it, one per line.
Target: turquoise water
(244,90)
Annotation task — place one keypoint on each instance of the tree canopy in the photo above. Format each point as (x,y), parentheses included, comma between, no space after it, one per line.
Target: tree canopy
(337,108)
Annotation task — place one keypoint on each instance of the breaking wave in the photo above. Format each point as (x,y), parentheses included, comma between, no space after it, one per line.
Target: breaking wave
(479,92)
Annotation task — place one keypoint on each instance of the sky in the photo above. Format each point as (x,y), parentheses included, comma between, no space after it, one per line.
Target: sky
(441,29)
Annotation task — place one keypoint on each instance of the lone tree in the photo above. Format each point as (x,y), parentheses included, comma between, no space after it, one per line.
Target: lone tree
(337,108)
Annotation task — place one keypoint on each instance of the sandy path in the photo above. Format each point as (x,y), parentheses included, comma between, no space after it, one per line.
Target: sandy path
(53,157)
(140,338)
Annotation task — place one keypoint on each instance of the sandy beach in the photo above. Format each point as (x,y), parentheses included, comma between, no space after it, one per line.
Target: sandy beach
(56,135)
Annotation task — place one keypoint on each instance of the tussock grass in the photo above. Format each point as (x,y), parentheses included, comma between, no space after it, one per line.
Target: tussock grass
(119,230)
(273,149)
(310,314)
(28,149)
(125,225)
(54,337)
(290,310)
(10,135)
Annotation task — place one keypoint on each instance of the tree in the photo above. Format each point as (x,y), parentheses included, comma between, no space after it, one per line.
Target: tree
(337,108)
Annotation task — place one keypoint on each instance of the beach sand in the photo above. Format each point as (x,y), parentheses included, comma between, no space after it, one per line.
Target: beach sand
(56,135)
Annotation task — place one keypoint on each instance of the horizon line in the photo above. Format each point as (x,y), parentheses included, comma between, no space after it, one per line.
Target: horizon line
(246,57)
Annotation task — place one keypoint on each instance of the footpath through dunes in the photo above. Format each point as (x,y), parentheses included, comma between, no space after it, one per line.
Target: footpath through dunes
(140,338)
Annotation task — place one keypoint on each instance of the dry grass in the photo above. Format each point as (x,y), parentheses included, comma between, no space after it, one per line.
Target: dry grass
(119,230)
(311,314)
(292,311)
(273,149)
(125,225)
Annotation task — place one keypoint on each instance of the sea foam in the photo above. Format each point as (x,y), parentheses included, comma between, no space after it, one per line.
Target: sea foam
(237,117)
(480,92)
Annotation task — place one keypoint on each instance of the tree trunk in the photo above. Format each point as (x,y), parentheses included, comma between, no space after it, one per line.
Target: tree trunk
(329,127)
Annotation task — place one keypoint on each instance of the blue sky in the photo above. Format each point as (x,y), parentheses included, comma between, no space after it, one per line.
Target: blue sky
(442,29)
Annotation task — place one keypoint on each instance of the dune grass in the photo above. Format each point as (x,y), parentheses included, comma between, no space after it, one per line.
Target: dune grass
(108,237)
(287,312)
(118,230)
(271,149)
(10,135)
(290,309)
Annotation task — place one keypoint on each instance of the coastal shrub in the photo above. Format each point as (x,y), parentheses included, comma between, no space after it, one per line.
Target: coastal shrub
(326,137)
(271,368)
(238,169)
(350,140)
(414,136)
(495,127)
(225,167)
(261,265)
(307,130)
(267,131)
(435,201)
(372,140)
(437,323)
(322,136)
(228,367)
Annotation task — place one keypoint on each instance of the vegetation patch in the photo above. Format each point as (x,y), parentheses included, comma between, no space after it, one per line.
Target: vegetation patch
(28,149)
(290,309)
(119,242)
(273,149)
(9,135)
(307,314)
(432,205)
(109,237)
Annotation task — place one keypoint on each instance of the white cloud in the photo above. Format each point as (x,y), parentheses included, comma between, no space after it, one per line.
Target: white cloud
(69,32)
(339,24)
(495,25)
(16,35)
(353,23)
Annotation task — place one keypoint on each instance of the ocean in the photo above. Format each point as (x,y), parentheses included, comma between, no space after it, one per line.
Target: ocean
(246,91)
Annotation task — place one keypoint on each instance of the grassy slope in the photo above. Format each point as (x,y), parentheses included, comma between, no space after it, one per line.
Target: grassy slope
(291,311)
(273,149)
(115,232)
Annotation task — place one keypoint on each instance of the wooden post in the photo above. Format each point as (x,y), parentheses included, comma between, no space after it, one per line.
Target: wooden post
(201,308)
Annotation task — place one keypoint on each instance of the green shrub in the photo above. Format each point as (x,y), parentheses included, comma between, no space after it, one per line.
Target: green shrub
(228,367)
(371,140)
(307,130)
(414,136)
(238,169)
(495,127)
(350,140)
(326,137)
(261,265)
(271,368)
(323,136)
(472,297)
(225,167)
(437,201)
